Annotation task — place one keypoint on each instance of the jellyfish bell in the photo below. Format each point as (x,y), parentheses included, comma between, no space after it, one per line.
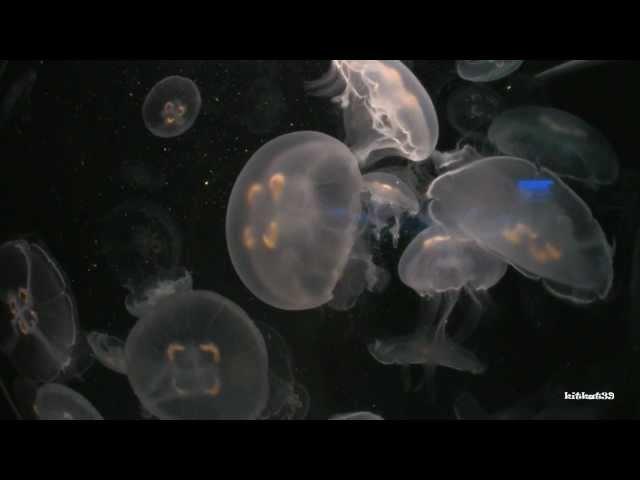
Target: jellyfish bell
(530,219)
(198,356)
(557,140)
(40,328)
(292,219)
(143,298)
(356,416)
(445,161)
(171,107)
(109,351)
(386,110)
(486,70)
(58,402)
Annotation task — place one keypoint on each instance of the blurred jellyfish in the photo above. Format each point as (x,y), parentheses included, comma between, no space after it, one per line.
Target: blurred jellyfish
(18,97)
(57,402)
(198,356)
(557,140)
(390,199)
(471,108)
(567,68)
(143,176)
(139,240)
(445,161)
(171,107)
(479,142)
(530,219)
(288,400)
(486,70)
(356,416)
(109,351)
(40,326)
(360,274)
(292,219)
(142,299)
(386,110)
(265,106)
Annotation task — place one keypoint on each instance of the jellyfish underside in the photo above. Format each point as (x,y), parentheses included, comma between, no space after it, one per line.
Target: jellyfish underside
(109,351)
(292,219)
(530,219)
(387,112)
(58,402)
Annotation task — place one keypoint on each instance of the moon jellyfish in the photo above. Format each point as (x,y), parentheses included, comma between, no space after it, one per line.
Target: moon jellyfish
(529,218)
(557,140)
(39,330)
(57,402)
(292,219)
(472,107)
(171,107)
(141,300)
(108,350)
(356,416)
(198,356)
(386,110)
(139,240)
(288,399)
(486,70)
(390,199)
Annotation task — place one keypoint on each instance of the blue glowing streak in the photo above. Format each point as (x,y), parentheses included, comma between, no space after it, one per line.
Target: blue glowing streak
(537,188)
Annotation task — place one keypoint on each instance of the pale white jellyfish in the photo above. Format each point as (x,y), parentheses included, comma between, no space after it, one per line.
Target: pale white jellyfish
(486,70)
(109,351)
(529,218)
(557,140)
(387,111)
(356,416)
(143,299)
(390,199)
(57,402)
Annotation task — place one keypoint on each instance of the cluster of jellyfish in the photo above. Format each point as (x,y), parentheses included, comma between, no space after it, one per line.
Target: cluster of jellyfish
(303,218)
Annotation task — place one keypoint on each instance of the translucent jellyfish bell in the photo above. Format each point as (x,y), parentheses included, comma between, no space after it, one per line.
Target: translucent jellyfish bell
(171,107)
(57,402)
(356,416)
(387,111)
(109,351)
(471,108)
(557,140)
(530,219)
(198,356)
(39,330)
(141,300)
(486,70)
(390,199)
(292,219)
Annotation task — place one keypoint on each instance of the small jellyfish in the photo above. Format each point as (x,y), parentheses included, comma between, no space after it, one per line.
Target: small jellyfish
(142,299)
(529,218)
(390,199)
(57,402)
(356,416)
(171,107)
(292,219)
(486,70)
(109,351)
(39,330)
(471,108)
(386,110)
(557,140)
(198,356)
(139,240)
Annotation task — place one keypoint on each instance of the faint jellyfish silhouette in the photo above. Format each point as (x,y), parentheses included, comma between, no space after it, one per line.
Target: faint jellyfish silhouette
(144,176)
(288,399)
(142,299)
(292,219)
(568,67)
(471,108)
(530,219)
(479,142)
(265,106)
(139,240)
(466,407)
(445,161)
(57,402)
(24,392)
(486,70)
(82,360)
(171,107)
(17,99)
(109,351)
(198,356)
(390,199)
(39,330)
(356,416)
(386,110)
(557,140)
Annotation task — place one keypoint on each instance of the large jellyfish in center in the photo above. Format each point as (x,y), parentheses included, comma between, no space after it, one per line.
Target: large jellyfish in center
(387,111)
(529,218)
(292,219)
